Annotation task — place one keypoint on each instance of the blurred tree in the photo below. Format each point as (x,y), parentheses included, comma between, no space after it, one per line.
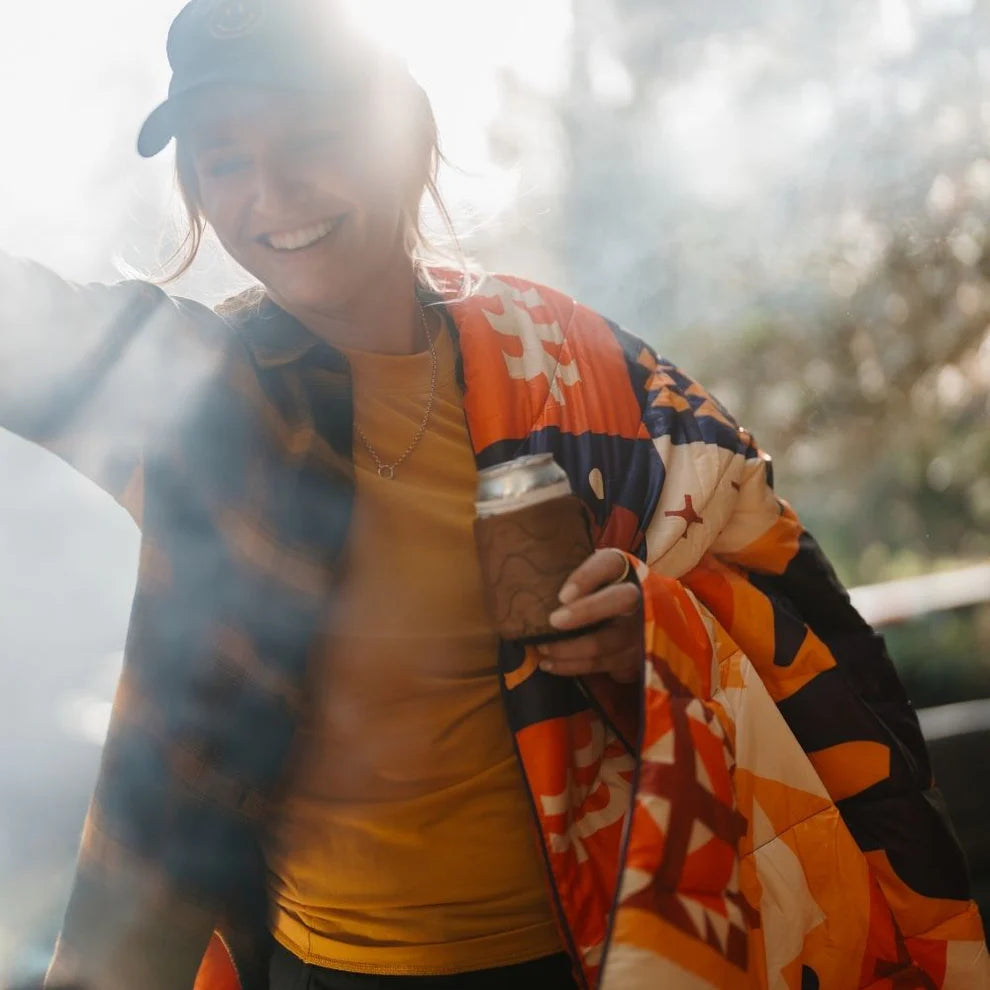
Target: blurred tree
(792,202)
(879,414)
(879,420)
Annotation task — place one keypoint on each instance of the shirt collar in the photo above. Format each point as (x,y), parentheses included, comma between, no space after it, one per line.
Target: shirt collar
(273,336)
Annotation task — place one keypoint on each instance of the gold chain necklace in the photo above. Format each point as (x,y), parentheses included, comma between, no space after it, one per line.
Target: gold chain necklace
(387,471)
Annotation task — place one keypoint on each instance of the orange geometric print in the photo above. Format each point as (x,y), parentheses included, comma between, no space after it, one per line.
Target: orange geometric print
(684,963)
(546,345)
(750,622)
(674,622)
(525,670)
(580,777)
(851,767)
(917,916)
(682,854)
(774,549)
(217,970)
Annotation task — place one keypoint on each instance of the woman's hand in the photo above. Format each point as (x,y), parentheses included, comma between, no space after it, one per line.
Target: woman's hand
(596,592)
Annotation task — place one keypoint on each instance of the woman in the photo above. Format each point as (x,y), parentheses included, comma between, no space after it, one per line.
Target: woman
(309,775)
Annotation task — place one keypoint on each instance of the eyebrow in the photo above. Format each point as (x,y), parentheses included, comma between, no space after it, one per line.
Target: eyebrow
(210,142)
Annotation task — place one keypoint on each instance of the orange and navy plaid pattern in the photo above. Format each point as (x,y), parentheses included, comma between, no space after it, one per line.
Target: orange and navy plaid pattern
(758,811)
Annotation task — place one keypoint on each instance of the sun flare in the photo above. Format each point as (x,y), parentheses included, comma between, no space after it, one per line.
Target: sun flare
(457,53)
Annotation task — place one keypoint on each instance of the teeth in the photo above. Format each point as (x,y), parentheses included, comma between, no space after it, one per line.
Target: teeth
(297,239)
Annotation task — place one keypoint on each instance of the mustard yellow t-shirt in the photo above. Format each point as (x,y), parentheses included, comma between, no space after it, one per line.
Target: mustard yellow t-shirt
(406,843)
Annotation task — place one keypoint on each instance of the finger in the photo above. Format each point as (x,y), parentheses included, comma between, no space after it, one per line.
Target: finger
(628,675)
(622,663)
(610,639)
(610,602)
(602,567)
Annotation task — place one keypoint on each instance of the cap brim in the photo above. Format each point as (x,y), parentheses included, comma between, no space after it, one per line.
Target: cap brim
(165,120)
(157,130)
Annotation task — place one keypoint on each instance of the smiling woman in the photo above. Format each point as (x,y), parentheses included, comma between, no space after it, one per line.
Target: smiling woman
(314,197)
(426,37)
(324,765)
(338,173)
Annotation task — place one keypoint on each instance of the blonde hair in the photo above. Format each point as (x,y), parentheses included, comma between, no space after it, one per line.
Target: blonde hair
(441,266)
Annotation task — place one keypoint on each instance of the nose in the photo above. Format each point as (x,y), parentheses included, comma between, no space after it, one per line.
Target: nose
(277,191)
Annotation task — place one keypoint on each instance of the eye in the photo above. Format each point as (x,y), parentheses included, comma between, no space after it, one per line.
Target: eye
(226,165)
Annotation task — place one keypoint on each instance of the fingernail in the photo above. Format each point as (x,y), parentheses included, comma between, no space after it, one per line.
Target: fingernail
(543,649)
(546,665)
(568,593)
(560,616)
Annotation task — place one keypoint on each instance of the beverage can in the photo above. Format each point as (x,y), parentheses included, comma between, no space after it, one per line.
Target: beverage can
(516,484)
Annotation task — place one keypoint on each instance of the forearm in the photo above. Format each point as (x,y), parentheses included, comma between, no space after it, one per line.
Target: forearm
(58,340)
(96,372)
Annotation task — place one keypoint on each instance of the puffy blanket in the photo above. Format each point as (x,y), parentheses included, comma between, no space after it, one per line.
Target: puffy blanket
(762,812)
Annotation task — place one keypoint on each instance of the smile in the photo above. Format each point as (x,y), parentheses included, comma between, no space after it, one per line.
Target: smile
(304,237)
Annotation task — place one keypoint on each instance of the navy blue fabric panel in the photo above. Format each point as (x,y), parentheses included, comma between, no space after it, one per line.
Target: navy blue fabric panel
(810,588)
(500,452)
(815,589)
(541,696)
(827,711)
(789,629)
(632,472)
(633,349)
(704,420)
(687,426)
(902,823)
(900,814)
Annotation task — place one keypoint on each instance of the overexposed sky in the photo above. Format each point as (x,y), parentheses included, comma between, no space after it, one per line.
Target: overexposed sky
(78,79)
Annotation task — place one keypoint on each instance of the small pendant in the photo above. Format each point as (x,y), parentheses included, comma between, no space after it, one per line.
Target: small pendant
(386,471)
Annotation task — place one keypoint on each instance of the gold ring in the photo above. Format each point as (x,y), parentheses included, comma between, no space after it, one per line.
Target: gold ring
(625,568)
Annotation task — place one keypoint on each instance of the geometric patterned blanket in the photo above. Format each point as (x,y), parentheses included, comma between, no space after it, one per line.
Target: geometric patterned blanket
(760,812)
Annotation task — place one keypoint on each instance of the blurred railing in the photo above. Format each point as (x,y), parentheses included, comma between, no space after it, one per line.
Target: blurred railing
(958,735)
(896,601)
(891,602)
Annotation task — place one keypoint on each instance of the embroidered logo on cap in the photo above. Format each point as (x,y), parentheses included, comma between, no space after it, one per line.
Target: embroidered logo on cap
(235,18)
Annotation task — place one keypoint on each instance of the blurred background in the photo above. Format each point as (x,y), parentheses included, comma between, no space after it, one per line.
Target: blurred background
(792,201)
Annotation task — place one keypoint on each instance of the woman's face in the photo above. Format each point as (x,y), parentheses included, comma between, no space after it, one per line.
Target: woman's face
(306,193)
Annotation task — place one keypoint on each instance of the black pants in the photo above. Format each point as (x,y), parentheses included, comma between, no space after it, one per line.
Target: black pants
(549,973)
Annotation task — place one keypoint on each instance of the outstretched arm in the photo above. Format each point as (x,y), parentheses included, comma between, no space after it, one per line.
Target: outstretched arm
(96,373)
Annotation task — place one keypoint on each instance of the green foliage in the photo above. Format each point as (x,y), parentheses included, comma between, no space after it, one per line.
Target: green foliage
(878,416)
(943,657)
(879,420)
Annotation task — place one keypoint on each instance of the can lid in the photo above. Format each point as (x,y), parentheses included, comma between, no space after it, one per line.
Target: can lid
(523,474)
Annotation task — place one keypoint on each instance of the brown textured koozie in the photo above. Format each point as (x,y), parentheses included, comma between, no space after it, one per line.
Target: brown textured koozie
(526,555)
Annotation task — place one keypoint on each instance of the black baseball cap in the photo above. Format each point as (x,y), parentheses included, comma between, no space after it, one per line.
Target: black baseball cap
(283,44)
